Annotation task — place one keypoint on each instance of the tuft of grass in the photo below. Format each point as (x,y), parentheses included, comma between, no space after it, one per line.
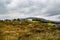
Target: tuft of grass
(50,24)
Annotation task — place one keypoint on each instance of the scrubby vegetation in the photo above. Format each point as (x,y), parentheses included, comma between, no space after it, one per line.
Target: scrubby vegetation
(29,30)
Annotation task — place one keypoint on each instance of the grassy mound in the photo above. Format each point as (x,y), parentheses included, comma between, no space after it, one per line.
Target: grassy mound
(28,30)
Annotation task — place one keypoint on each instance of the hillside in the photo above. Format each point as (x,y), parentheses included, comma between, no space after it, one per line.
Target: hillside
(27,29)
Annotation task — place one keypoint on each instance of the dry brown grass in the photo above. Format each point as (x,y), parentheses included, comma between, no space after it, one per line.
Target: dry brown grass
(28,30)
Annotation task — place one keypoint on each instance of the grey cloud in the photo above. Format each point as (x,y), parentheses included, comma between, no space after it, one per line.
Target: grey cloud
(31,8)
(45,8)
(3,4)
(55,10)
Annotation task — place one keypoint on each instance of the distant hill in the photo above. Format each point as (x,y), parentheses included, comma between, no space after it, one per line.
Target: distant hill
(40,19)
(34,19)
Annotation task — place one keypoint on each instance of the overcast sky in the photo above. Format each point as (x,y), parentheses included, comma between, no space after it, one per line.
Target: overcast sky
(47,9)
